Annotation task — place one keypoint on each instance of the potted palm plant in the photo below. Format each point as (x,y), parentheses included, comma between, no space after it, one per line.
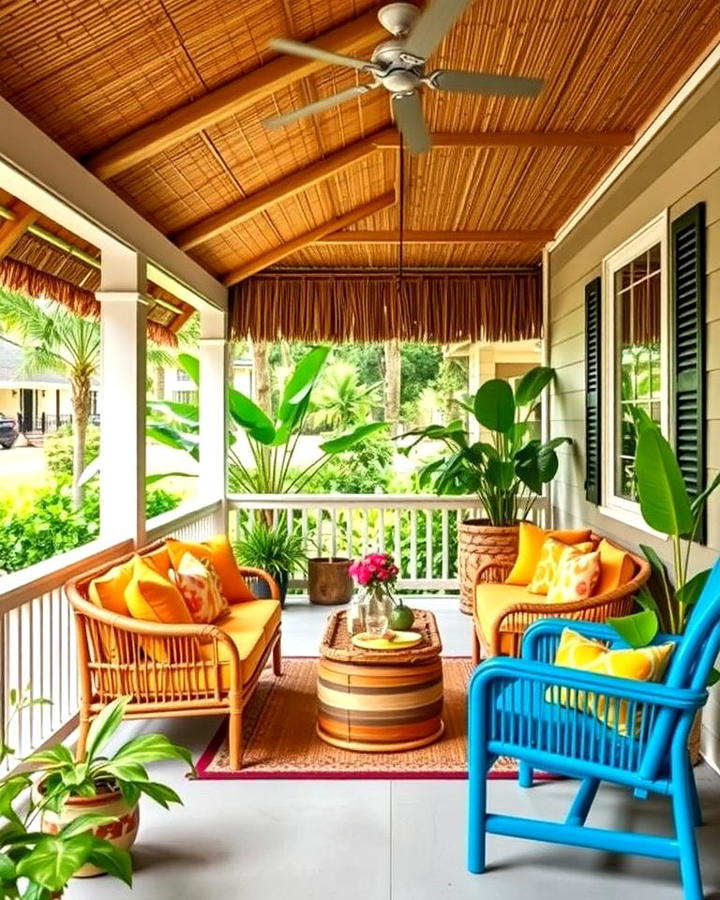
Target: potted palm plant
(273,548)
(106,786)
(667,507)
(507,472)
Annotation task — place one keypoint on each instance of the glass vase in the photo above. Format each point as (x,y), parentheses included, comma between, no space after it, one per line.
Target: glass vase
(357,614)
(379,606)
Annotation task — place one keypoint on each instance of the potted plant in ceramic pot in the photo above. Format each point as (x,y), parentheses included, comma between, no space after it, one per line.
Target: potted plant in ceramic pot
(667,507)
(507,471)
(36,865)
(274,549)
(108,787)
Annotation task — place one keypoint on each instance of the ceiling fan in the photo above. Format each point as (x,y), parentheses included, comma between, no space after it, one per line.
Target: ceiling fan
(398,65)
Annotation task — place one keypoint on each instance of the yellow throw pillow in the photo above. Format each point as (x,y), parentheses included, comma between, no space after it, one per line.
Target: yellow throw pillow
(530,544)
(108,590)
(219,551)
(152,598)
(577,575)
(641,664)
(197,581)
(553,552)
(616,568)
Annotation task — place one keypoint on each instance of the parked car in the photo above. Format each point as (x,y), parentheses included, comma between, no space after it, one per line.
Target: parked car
(8,431)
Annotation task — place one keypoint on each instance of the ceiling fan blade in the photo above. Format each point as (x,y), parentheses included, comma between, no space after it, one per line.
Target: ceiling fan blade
(296,48)
(485,83)
(432,26)
(318,106)
(410,120)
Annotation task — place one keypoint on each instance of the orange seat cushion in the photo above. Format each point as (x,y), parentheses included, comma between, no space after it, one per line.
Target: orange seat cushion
(254,614)
(220,553)
(108,591)
(617,567)
(491,601)
(530,544)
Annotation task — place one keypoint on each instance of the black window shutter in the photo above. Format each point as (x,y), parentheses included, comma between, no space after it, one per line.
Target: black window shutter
(593,338)
(687,236)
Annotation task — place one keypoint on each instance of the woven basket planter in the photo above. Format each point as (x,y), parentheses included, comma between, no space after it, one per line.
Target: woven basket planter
(480,543)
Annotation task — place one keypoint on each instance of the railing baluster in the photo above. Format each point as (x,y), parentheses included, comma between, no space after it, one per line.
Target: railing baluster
(429,574)
(333,532)
(445,570)
(413,544)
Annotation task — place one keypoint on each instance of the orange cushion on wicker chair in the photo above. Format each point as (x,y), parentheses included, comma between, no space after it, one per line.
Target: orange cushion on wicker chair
(152,598)
(576,577)
(108,590)
(616,568)
(553,552)
(530,544)
(218,549)
(198,582)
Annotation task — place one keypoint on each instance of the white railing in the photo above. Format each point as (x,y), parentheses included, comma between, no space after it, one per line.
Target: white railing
(37,632)
(419,530)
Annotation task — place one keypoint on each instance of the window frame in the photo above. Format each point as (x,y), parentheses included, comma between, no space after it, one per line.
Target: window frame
(656,231)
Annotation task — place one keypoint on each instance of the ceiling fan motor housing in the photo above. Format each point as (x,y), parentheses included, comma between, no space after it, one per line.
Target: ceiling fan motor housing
(399,74)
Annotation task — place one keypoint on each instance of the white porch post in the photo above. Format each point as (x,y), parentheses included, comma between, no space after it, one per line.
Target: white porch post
(213,408)
(123,391)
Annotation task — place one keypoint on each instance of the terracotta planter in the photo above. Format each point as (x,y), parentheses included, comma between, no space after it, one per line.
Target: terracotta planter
(121,833)
(480,543)
(329,583)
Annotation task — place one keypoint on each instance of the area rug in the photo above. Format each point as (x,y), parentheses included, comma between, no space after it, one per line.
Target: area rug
(280,742)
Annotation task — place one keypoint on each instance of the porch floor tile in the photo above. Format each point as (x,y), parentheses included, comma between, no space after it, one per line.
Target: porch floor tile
(378,840)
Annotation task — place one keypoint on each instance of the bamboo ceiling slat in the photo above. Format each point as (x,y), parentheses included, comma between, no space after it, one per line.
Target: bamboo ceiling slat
(90,73)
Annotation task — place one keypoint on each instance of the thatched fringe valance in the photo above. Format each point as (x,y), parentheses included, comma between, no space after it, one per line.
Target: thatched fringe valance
(441,308)
(20,277)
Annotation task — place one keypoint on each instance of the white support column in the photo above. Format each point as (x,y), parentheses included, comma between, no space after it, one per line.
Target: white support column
(213,407)
(123,393)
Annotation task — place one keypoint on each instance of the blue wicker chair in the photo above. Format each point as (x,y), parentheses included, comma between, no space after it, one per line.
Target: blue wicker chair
(510,716)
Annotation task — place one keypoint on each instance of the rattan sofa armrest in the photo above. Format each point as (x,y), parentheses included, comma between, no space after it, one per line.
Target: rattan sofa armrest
(252,572)
(498,570)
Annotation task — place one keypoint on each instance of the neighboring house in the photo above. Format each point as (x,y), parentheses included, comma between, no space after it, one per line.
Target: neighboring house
(40,402)
(177,386)
(495,360)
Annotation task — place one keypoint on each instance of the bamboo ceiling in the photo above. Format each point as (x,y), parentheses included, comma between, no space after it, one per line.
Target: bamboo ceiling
(196,76)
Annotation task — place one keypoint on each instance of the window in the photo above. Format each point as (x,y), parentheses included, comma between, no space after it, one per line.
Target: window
(181,375)
(636,358)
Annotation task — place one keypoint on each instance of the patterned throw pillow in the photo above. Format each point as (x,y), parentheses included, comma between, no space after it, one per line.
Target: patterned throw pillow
(578,652)
(576,577)
(198,582)
(553,552)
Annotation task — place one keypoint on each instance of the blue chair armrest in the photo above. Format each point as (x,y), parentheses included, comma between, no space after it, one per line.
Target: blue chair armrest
(509,670)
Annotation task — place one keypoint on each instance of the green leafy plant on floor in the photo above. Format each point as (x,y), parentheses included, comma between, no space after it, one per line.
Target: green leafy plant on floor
(273,548)
(508,471)
(667,507)
(271,443)
(35,865)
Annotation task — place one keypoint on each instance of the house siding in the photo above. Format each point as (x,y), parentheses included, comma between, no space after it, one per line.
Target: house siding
(680,168)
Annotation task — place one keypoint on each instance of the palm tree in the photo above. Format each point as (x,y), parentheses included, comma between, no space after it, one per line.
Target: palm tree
(56,340)
(341,399)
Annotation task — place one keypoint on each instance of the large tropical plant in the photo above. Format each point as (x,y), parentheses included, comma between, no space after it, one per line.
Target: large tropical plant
(507,471)
(341,399)
(271,442)
(54,339)
(667,507)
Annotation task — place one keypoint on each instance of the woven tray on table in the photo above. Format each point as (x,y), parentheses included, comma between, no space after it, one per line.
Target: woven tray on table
(337,643)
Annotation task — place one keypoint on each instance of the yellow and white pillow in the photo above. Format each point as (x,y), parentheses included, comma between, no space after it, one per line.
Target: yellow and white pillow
(199,584)
(576,577)
(552,553)
(641,664)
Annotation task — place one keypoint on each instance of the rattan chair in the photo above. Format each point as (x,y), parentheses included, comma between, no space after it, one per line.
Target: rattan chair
(504,637)
(166,670)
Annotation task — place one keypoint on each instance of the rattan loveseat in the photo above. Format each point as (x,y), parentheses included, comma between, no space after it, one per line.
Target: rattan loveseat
(509,610)
(173,670)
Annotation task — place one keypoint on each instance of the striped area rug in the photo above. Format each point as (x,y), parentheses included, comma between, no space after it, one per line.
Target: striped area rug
(280,740)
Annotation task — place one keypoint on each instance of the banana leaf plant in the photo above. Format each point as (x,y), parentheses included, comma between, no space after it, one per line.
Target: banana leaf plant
(508,471)
(271,441)
(666,506)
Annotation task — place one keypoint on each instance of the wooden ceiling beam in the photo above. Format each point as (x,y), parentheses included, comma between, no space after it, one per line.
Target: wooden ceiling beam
(389,140)
(310,237)
(230,99)
(439,237)
(23,216)
(239,212)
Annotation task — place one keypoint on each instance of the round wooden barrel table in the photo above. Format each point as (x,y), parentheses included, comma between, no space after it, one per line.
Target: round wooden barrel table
(380,700)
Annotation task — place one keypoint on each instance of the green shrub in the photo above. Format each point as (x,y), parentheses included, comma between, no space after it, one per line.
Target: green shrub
(58,448)
(47,525)
(366,469)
